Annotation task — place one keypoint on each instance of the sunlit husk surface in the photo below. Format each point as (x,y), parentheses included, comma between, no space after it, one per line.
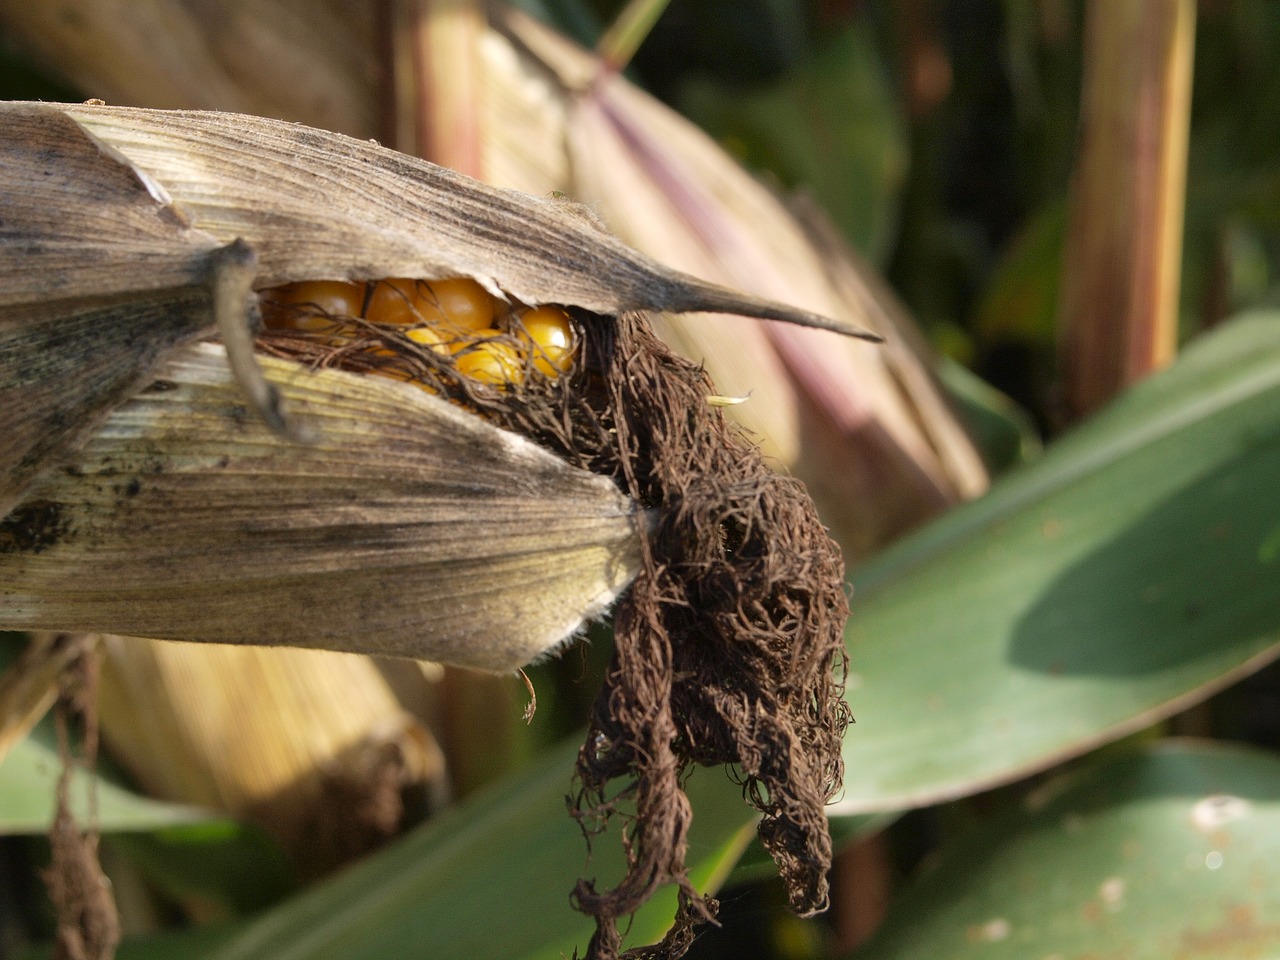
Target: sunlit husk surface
(410,526)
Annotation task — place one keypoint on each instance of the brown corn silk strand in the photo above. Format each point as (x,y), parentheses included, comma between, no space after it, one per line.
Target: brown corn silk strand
(88,924)
(728,648)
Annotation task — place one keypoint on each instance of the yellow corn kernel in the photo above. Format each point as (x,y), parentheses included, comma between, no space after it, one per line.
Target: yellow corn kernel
(456,344)
(495,363)
(427,337)
(548,332)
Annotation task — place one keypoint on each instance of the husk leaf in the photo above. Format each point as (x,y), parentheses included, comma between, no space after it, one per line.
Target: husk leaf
(320,205)
(311,745)
(417,528)
(29,686)
(310,61)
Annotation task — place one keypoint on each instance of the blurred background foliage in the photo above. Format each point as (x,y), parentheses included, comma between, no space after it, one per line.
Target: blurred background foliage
(940,136)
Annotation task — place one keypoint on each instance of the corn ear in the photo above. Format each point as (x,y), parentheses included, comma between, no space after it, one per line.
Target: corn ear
(111,208)
(417,528)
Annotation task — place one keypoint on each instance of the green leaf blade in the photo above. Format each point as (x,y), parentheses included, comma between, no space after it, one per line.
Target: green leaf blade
(489,878)
(28,798)
(1163,852)
(1111,582)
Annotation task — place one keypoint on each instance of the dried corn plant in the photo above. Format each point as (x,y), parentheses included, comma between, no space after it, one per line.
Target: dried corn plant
(150,499)
(866,430)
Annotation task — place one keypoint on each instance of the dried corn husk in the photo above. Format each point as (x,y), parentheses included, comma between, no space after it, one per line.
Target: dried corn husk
(310,61)
(409,527)
(29,685)
(314,205)
(197,730)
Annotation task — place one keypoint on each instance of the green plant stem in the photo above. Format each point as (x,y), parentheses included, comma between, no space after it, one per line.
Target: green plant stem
(624,36)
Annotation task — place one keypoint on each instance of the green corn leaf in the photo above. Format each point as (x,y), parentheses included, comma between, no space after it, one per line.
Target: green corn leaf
(28,796)
(1125,575)
(1168,851)
(489,878)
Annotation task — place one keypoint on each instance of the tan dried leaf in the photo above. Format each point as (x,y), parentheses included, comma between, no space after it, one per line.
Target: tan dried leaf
(409,527)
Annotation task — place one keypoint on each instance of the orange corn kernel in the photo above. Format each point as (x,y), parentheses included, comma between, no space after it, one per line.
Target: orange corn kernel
(548,332)
(394,302)
(313,305)
(462,304)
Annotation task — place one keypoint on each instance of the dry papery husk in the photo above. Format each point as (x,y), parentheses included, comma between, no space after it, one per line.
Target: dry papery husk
(407,527)
(318,62)
(729,643)
(215,731)
(29,685)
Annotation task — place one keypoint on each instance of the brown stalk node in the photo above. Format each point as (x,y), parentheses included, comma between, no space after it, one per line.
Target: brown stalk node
(728,647)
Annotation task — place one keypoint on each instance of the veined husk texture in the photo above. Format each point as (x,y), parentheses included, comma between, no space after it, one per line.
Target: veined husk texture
(408,527)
